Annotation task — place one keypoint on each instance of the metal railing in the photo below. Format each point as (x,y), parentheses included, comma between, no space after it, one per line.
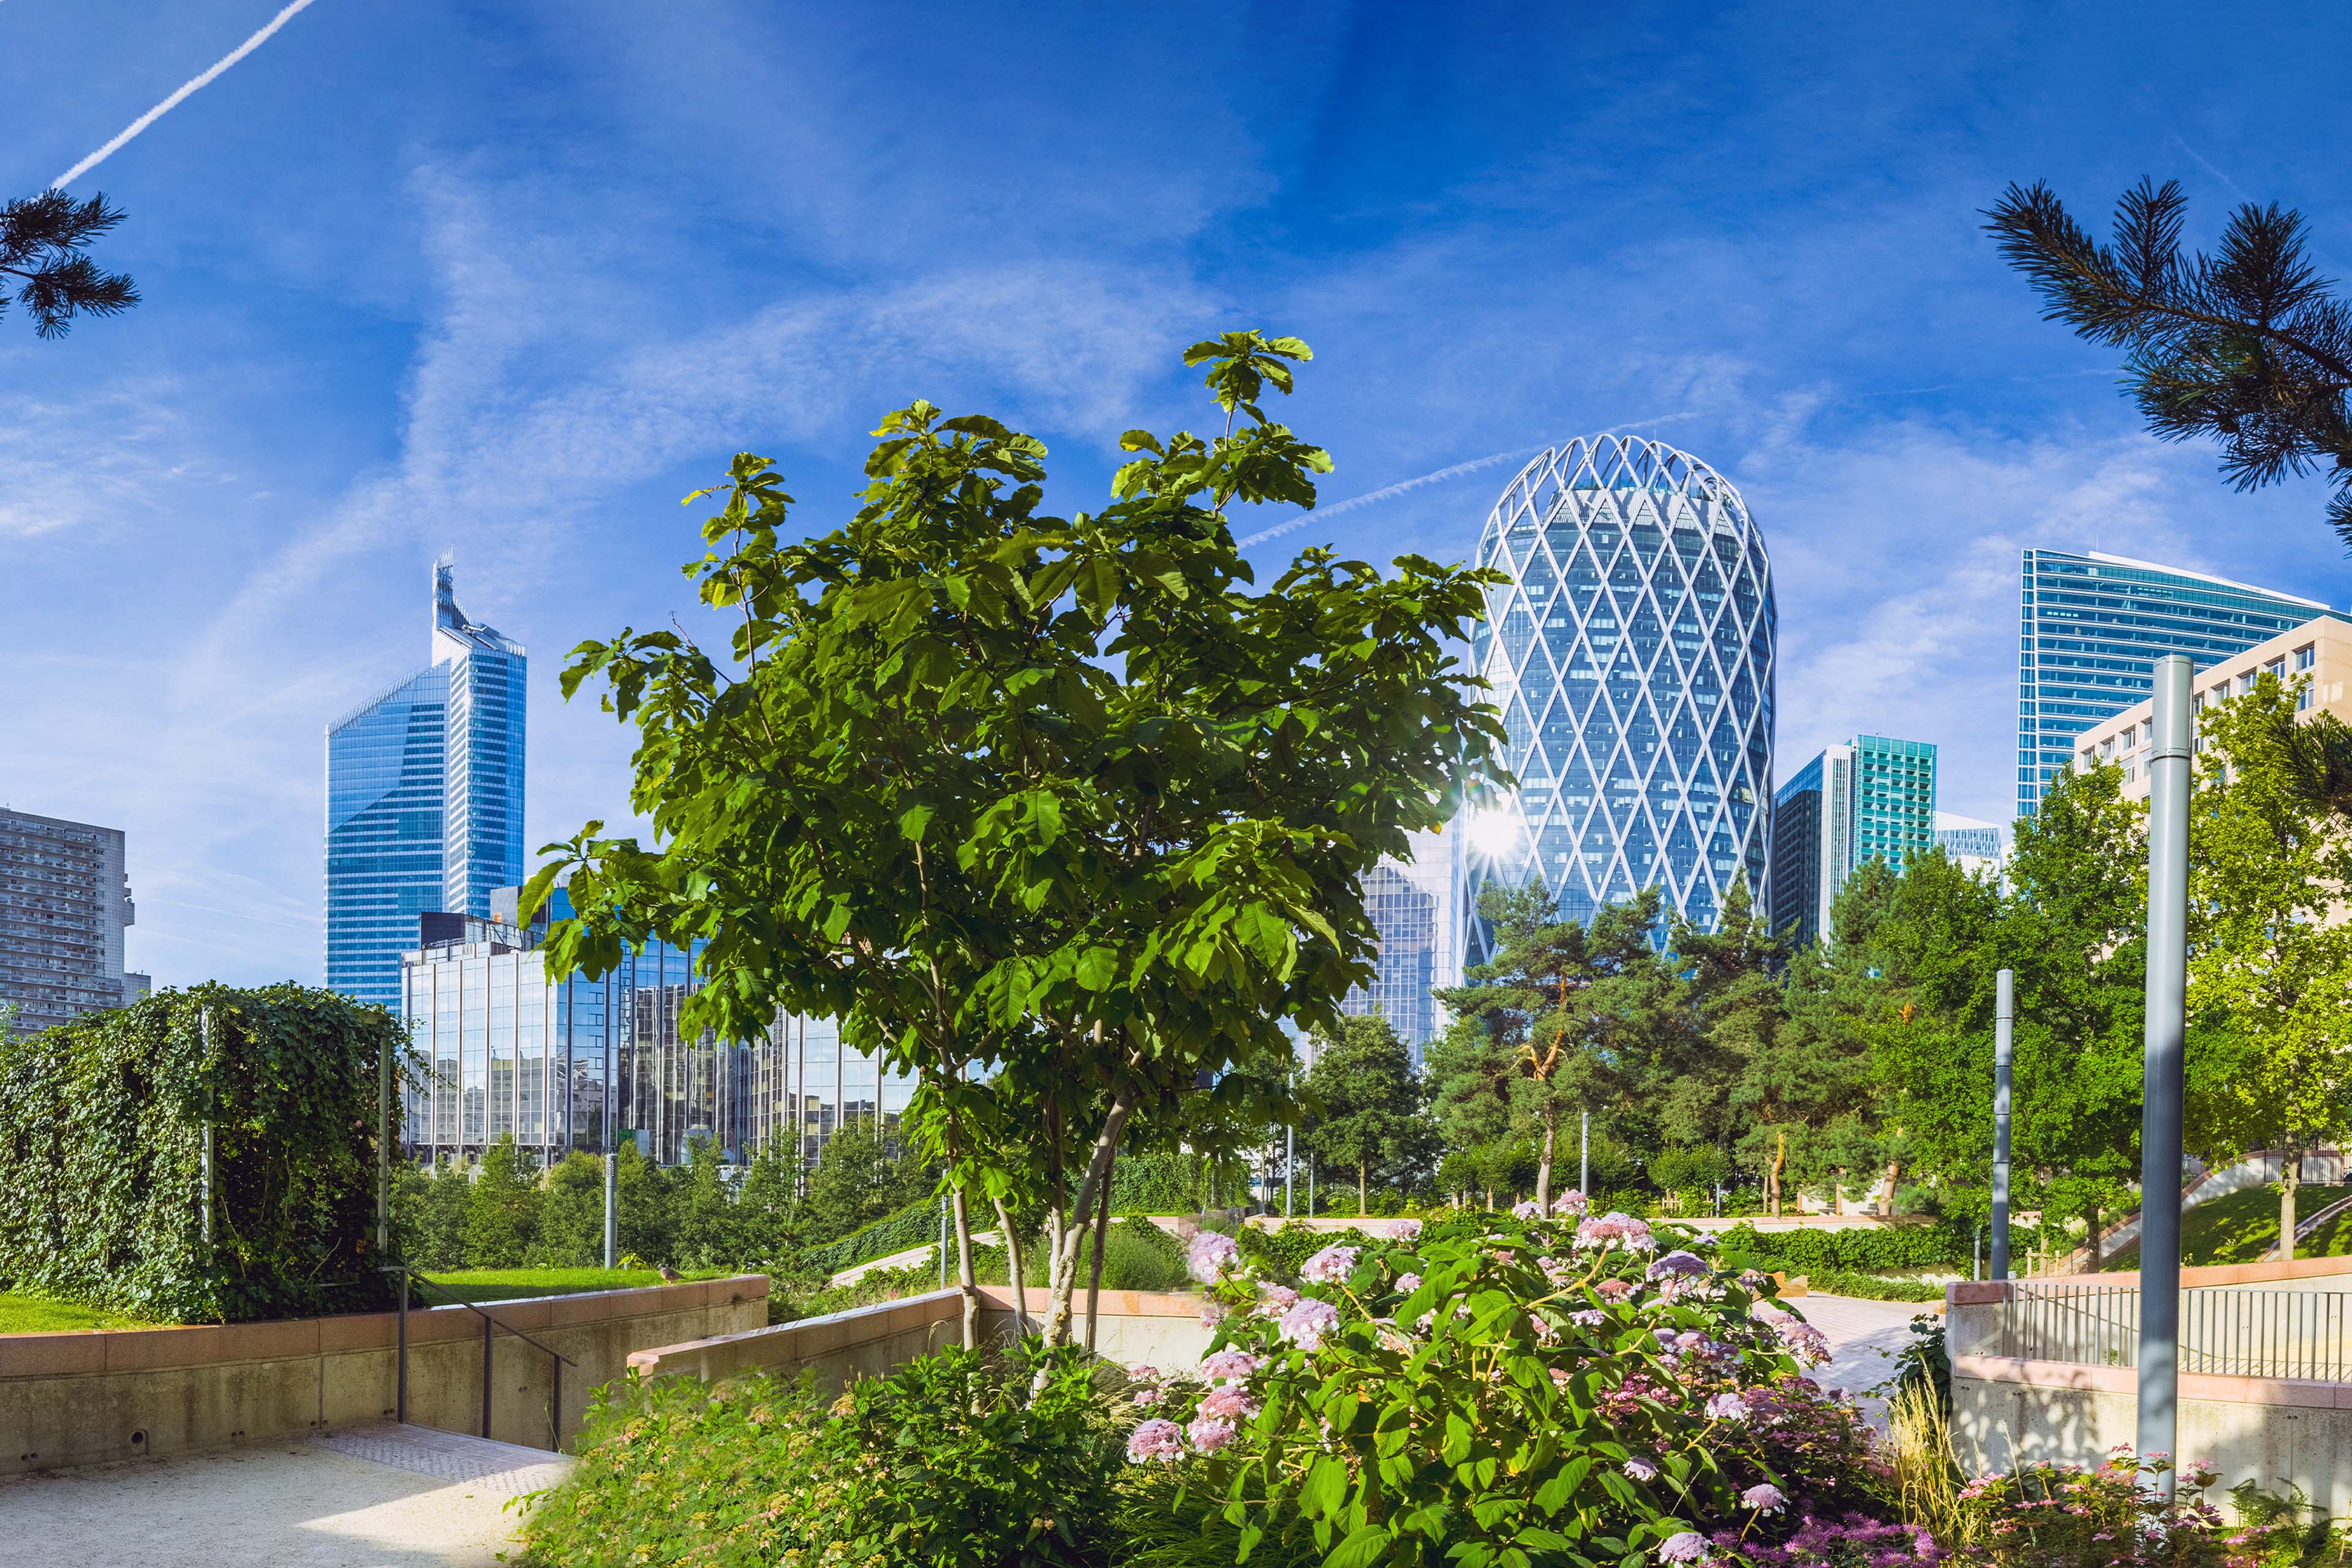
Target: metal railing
(491,1323)
(2229,1332)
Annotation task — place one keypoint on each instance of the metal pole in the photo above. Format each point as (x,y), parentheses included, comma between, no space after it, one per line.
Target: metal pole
(486,1327)
(400,1398)
(943,1243)
(384,1153)
(1584,1153)
(612,1150)
(205,1026)
(2168,995)
(2004,1014)
(1289,1167)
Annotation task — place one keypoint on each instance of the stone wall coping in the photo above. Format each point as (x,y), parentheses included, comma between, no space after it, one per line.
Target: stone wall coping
(2203,1386)
(1113,1303)
(97,1351)
(1977,1293)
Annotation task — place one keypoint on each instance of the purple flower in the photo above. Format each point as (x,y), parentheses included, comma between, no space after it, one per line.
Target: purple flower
(1275,1299)
(1404,1230)
(1615,1229)
(1408,1283)
(1156,1439)
(1208,1434)
(1147,1396)
(1590,1318)
(1570,1201)
(1212,1313)
(1329,1267)
(1727,1407)
(1642,1469)
(1764,1496)
(1684,1263)
(1211,1254)
(1685,1546)
(1528,1209)
(1228,1404)
(1229,1366)
(1309,1323)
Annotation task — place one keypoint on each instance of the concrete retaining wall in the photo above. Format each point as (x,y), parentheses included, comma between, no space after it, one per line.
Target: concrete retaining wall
(89,1397)
(1133,1328)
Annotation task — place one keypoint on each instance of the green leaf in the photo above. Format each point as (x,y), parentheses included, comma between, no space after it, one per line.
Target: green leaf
(1365,1545)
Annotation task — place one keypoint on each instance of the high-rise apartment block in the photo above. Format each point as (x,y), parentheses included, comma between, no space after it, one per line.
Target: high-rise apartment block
(2091,628)
(1977,848)
(582,1064)
(64,903)
(425,793)
(1872,798)
(1632,654)
(1411,906)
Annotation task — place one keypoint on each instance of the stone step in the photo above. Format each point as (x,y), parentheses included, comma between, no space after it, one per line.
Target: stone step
(505,1469)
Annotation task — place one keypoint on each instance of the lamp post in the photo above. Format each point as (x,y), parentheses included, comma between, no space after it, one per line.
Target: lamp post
(2003,1057)
(2166,1026)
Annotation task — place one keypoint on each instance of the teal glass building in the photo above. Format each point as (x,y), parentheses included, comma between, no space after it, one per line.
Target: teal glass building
(1630,652)
(425,798)
(1872,798)
(2090,627)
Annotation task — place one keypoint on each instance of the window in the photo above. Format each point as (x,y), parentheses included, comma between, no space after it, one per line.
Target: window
(2306,655)
(2303,700)
(2131,733)
(2276,668)
(2245,683)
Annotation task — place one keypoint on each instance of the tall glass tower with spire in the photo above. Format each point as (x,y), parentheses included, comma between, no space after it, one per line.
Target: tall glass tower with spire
(424,784)
(1630,651)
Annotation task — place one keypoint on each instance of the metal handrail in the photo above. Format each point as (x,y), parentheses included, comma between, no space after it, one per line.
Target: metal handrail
(491,1322)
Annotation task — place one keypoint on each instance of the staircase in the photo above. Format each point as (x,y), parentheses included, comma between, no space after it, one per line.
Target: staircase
(501,1469)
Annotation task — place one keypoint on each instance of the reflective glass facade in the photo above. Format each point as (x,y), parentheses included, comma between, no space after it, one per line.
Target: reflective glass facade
(424,788)
(1872,798)
(1411,905)
(2091,627)
(1632,654)
(507,1052)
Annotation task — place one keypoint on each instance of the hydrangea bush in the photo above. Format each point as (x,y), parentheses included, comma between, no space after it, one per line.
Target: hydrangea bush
(1508,1390)
(2065,1516)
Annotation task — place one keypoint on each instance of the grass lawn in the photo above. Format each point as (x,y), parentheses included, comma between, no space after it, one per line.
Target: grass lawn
(509,1284)
(2243,1227)
(34,1315)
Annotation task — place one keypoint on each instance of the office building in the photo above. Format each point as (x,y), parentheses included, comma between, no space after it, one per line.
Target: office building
(2090,627)
(1977,848)
(425,791)
(1632,655)
(579,1063)
(1411,905)
(2314,659)
(1872,798)
(65,902)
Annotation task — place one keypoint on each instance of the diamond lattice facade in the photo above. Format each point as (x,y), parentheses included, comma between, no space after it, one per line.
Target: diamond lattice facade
(1411,905)
(1632,656)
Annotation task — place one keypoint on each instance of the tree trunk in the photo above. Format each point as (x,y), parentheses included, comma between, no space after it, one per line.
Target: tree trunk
(965,1279)
(1066,1239)
(1886,1191)
(2091,1239)
(1543,1161)
(2290,1178)
(1837,1192)
(1094,1279)
(1013,1270)
(1363,1183)
(1772,1176)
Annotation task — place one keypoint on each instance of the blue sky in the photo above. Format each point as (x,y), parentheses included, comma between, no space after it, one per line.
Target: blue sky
(509,279)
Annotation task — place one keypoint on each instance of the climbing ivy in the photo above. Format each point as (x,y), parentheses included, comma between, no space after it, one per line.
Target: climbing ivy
(101,1131)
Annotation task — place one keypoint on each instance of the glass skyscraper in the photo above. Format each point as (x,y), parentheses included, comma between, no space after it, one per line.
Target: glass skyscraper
(1411,905)
(1632,655)
(1872,798)
(425,790)
(2090,627)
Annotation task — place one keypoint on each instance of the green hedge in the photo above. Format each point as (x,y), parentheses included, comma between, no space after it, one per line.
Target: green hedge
(1811,1251)
(101,1133)
(1277,1254)
(916,1225)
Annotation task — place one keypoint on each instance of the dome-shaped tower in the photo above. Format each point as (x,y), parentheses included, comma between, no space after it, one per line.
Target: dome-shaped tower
(1632,656)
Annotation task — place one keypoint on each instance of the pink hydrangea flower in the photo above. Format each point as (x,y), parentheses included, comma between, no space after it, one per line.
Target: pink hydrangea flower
(1229,1366)
(1806,1343)
(1329,1267)
(1211,1256)
(1228,1404)
(1208,1434)
(1408,1283)
(1727,1407)
(1529,1209)
(1156,1439)
(1685,1546)
(1212,1313)
(1404,1230)
(1590,1318)
(1642,1469)
(1677,1262)
(1570,1201)
(1764,1496)
(1615,1289)
(1309,1323)
(1614,1229)
(1545,1331)
(1149,1397)
(1559,1271)
(1273,1300)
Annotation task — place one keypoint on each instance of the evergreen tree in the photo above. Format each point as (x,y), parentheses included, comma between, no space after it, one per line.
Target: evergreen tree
(572,1214)
(647,1220)
(43,245)
(767,1205)
(860,1177)
(708,1236)
(442,1212)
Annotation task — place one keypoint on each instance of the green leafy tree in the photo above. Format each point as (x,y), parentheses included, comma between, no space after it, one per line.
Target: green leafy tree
(502,1211)
(44,257)
(571,1233)
(443,1209)
(2250,346)
(767,1206)
(1366,1104)
(2271,965)
(860,1177)
(646,1202)
(708,1232)
(1058,815)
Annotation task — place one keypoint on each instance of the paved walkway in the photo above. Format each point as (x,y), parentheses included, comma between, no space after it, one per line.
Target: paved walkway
(370,1496)
(1864,1339)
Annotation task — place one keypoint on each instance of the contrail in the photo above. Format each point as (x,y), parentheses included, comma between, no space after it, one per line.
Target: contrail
(1303,518)
(168,104)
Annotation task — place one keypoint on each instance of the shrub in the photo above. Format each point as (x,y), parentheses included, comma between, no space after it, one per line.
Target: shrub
(101,1124)
(2063,1516)
(1277,1253)
(1506,1388)
(672,1470)
(1812,1252)
(916,1224)
(980,1460)
(1874,1287)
